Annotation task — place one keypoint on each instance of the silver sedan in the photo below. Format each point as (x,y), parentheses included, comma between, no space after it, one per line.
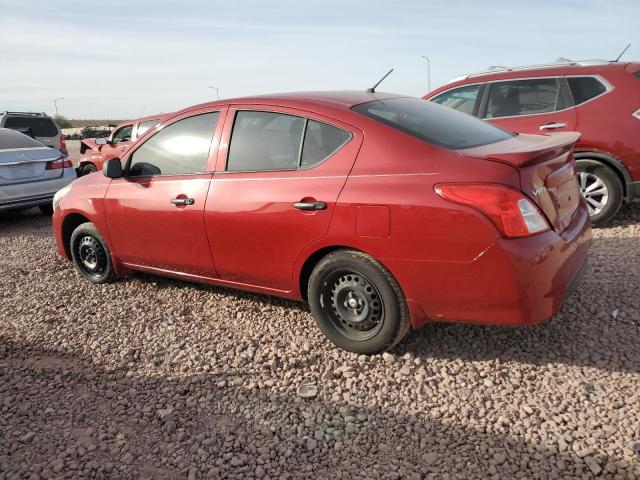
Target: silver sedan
(30,173)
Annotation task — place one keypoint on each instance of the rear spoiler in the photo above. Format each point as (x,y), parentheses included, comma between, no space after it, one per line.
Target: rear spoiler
(535,148)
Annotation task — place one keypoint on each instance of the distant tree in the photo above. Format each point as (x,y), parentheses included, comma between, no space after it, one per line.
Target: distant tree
(63,122)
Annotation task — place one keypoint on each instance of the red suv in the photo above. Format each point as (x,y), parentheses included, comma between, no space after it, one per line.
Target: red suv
(382,211)
(600,99)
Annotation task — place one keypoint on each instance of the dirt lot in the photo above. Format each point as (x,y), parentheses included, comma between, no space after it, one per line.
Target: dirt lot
(156,379)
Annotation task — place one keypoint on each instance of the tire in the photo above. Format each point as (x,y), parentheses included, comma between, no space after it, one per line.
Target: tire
(88,168)
(90,254)
(46,208)
(357,303)
(604,200)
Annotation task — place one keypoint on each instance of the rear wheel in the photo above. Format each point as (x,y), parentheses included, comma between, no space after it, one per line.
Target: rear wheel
(601,188)
(357,303)
(46,208)
(89,168)
(90,254)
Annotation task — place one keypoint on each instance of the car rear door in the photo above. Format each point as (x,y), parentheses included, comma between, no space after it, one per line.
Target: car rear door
(533,105)
(273,193)
(155,212)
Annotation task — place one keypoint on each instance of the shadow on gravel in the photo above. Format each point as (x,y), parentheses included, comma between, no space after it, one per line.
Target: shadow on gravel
(88,422)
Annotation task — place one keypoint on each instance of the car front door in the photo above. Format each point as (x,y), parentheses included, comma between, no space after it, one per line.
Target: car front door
(535,105)
(278,176)
(155,211)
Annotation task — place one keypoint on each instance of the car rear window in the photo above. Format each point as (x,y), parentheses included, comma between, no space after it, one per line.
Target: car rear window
(585,88)
(40,126)
(433,123)
(10,139)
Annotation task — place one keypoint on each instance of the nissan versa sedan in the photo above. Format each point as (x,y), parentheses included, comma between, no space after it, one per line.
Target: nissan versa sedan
(382,211)
(30,173)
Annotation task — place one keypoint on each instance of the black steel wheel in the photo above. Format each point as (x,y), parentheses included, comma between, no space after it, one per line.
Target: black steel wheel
(357,303)
(90,254)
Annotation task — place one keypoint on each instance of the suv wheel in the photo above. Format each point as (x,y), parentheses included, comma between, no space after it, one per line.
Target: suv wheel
(90,254)
(601,188)
(357,303)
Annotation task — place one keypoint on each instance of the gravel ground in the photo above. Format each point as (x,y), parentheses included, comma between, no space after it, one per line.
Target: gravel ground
(157,379)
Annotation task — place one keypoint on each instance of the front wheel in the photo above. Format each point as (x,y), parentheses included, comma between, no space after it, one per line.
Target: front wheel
(357,303)
(601,188)
(90,254)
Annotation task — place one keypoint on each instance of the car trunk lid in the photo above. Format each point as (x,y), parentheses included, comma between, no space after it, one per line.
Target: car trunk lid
(23,165)
(546,168)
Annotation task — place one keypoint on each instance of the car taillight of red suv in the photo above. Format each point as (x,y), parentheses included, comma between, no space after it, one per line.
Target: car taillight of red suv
(599,99)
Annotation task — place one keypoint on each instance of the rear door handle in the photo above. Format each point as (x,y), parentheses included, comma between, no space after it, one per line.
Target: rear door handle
(310,205)
(552,126)
(182,201)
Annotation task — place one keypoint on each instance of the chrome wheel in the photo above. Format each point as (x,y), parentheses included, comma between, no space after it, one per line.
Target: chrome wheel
(92,256)
(594,191)
(353,304)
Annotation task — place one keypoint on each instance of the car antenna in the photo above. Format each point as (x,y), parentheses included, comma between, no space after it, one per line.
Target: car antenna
(373,89)
(622,53)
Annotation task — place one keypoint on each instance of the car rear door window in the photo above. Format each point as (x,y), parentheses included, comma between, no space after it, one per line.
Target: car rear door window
(462,99)
(38,126)
(432,123)
(265,141)
(320,142)
(180,148)
(585,88)
(524,97)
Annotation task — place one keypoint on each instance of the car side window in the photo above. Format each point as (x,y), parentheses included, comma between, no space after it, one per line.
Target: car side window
(122,134)
(585,88)
(320,142)
(263,141)
(180,148)
(462,99)
(144,126)
(524,97)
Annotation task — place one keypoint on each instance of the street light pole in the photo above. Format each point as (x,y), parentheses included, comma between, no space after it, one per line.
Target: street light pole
(217,92)
(428,72)
(55,103)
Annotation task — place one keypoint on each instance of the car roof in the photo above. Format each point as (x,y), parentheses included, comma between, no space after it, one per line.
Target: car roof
(321,100)
(584,67)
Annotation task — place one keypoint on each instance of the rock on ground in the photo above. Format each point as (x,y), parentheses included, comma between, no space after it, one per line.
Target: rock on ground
(150,378)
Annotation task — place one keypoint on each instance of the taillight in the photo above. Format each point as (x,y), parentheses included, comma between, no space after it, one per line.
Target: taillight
(62,162)
(636,114)
(63,145)
(513,214)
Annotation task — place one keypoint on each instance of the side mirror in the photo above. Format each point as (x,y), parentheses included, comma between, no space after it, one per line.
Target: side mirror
(101,141)
(112,168)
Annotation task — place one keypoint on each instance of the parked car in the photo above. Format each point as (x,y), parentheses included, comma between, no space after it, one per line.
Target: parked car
(94,151)
(600,99)
(382,211)
(30,173)
(39,126)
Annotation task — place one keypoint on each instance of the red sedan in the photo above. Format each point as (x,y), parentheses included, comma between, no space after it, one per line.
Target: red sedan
(382,211)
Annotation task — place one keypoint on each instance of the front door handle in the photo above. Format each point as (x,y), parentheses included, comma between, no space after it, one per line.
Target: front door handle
(182,201)
(310,205)
(552,126)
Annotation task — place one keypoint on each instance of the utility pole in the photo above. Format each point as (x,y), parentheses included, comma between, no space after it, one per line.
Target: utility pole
(55,103)
(428,72)
(217,92)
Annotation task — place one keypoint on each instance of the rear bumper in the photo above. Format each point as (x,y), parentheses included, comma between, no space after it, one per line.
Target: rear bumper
(513,282)
(27,195)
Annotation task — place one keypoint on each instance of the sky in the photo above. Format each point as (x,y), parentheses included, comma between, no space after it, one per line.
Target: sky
(119,59)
